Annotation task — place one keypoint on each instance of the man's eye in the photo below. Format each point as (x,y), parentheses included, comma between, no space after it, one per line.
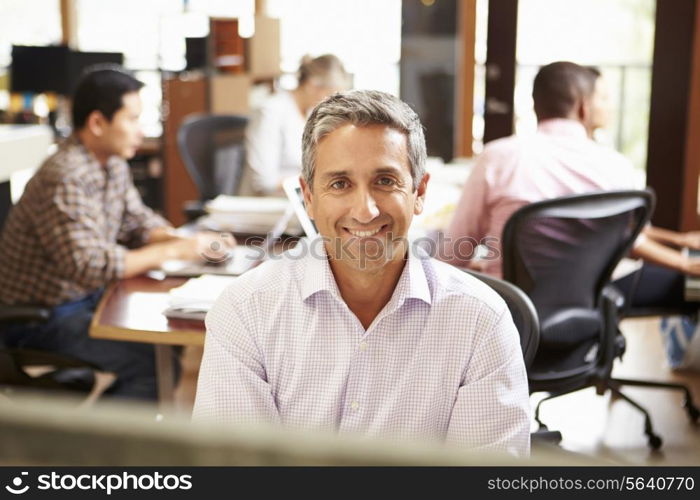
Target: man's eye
(386,181)
(339,185)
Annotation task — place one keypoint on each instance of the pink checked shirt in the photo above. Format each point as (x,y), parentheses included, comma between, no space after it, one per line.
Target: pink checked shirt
(441,361)
(558,160)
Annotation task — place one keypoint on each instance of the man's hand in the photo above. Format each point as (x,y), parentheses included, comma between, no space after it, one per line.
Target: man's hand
(691,239)
(691,266)
(207,246)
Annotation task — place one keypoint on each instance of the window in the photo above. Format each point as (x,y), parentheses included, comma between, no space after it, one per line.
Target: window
(37,22)
(153,40)
(364,34)
(617,36)
(25,23)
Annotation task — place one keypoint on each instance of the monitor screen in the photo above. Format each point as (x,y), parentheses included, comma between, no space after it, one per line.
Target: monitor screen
(78,62)
(38,69)
(53,69)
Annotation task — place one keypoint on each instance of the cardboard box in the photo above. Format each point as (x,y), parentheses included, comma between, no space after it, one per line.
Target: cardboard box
(263,54)
(230,94)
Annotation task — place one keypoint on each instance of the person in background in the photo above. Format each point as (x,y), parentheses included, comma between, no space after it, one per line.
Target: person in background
(81,224)
(273,137)
(562,159)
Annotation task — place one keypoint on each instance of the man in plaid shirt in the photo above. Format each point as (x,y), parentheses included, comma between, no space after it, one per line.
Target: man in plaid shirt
(81,224)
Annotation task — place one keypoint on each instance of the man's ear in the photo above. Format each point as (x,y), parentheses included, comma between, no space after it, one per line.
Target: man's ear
(96,123)
(308,204)
(420,194)
(584,111)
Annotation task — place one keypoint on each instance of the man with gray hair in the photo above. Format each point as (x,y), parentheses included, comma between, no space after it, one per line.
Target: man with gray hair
(356,330)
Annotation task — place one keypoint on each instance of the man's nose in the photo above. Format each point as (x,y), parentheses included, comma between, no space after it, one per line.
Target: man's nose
(364,207)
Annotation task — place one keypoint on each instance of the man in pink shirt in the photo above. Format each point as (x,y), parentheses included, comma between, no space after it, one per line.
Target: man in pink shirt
(560,159)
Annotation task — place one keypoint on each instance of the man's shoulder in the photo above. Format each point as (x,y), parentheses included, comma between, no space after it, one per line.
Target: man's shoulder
(458,286)
(502,155)
(67,164)
(615,169)
(279,102)
(504,145)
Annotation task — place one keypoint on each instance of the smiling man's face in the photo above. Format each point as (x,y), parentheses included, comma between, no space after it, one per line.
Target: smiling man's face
(362,198)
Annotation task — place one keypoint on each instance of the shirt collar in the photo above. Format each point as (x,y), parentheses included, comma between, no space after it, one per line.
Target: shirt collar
(318,276)
(413,283)
(563,127)
(317,272)
(113,161)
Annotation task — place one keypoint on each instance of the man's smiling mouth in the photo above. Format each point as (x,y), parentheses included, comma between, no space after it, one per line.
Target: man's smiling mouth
(365,233)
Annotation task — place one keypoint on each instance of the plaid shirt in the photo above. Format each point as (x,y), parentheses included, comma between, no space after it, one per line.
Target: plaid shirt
(69,233)
(441,361)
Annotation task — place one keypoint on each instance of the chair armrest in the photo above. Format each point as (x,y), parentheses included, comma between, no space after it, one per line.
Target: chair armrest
(612,306)
(11,314)
(615,296)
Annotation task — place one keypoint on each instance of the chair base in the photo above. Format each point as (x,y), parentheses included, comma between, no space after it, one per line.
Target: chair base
(654,440)
(544,435)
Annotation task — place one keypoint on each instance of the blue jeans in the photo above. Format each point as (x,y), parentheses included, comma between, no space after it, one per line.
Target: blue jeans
(655,286)
(66,332)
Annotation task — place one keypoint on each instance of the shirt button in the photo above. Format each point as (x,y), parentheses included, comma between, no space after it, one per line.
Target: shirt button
(363,345)
(354,405)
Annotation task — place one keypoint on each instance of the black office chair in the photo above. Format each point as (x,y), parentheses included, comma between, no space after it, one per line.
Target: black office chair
(55,371)
(522,310)
(562,252)
(212,149)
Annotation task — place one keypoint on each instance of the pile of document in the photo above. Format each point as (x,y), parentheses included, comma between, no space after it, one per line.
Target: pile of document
(251,215)
(195,298)
(692,283)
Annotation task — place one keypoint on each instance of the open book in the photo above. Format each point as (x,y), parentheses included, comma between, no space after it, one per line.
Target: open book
(193,299)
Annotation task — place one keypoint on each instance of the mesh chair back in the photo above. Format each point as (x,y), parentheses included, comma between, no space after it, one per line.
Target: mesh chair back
(562,252)
(212,149)
(522,310)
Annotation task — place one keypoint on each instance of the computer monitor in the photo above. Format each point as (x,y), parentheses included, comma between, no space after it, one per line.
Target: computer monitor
(42,430)
(38,69)
(292,189)
(54,68)
(78,62)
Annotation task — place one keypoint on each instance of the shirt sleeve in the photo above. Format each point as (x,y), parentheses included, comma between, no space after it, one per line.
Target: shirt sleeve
(68,228)
(492,409)
(232,385)
(263,139)
(467,227)
(138,219)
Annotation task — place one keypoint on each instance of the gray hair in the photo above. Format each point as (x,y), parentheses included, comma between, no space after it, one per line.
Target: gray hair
(363,108)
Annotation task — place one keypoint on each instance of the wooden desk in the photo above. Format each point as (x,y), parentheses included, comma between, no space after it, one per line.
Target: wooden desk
(130,310)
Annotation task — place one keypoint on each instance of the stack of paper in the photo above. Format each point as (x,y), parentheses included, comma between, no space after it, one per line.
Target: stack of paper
(692,283)
(253,215)
(194,299)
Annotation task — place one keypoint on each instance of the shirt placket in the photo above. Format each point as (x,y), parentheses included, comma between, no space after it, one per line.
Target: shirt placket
(110,226)
(358,406)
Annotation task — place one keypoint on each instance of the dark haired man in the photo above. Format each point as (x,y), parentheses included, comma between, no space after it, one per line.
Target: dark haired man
(561,159)
(81,224)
